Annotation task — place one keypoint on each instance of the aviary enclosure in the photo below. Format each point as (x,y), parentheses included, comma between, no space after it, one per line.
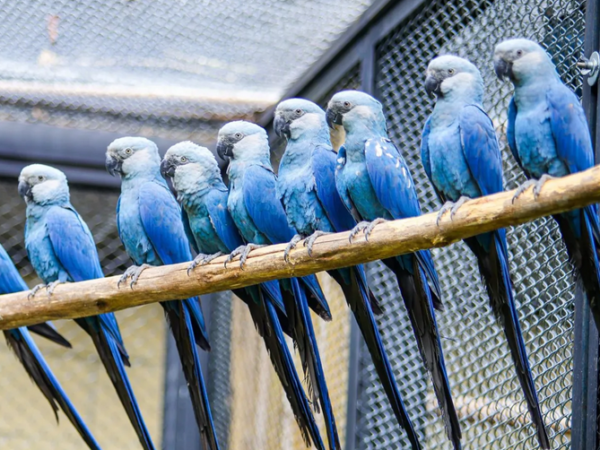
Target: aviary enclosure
(384,53)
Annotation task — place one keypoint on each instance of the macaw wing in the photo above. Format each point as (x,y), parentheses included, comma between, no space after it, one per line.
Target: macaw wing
(323,167)
(570,129)
(262,203)
(161,218)
(73,244)
(340,184)
(426,158)
(480,148)
(10,280)
(510,133)
(390,178)
(188,231)
(221,220)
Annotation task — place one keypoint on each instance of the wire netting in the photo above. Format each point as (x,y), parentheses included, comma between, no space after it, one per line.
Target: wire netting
(484,386)
(28,421)
(169,68)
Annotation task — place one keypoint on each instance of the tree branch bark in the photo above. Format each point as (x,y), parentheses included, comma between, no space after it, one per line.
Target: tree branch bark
(329,252)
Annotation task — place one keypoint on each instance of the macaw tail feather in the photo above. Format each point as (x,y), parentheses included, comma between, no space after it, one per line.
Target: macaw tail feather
(316,299)
(493,265)
(111,356)
(181,322)
(304,337)
(197,320)
(419,305)
(47,331)
(266,319)
(581,235)
(358,297)
(20,341)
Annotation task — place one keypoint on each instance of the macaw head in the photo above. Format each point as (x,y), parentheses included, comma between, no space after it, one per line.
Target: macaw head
(354,109)
(453,77)
(189,165)
(241,140)
(296,116)
(522,60)
(43,185)
(132,156)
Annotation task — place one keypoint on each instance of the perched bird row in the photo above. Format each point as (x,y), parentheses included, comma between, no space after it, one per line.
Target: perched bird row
(316,191)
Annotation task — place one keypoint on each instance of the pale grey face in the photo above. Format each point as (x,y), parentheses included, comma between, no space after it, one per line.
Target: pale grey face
(38,183)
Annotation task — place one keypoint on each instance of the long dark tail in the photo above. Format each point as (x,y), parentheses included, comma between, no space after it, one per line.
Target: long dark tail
(48,331)
(359,299)
(493,265)
(581,234)
(419,305)
(181,321)
(112,358)
(304,336)
(266,319)
(20,341)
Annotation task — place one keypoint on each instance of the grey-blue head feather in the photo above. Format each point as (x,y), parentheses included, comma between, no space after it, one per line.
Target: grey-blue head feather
(356,111)
(298,117)
(43,185)
(523,61)
(132,157)
(243,141)
(452,78)
(192,168)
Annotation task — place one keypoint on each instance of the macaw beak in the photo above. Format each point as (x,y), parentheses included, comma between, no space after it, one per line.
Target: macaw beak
(224,149)
(433,86)
(25,190)
(334,117)
(113,166)
(503,68)
(281,125)
(167,168)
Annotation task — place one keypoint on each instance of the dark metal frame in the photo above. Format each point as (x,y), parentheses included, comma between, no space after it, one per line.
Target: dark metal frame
(358,46)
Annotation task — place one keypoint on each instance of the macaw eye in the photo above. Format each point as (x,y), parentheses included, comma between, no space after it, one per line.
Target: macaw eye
(183,159)
(519,52)
(299,111)
(128,151)
(451,71)
(347,104)
(239,136)
(40,178)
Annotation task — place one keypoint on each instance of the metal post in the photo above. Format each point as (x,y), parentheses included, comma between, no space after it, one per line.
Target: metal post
(585,364)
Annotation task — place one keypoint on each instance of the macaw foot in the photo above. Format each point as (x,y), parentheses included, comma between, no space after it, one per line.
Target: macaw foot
(202,259)
(522,188)
(134,272)
(538,185)
(461,201)
(308,243)
(443,210)
(372,226)
(243,251)
(360,226)
(35,290)
(291,245)
(50,287)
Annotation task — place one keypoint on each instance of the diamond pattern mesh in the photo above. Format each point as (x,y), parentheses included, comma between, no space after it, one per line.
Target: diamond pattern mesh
(487,394)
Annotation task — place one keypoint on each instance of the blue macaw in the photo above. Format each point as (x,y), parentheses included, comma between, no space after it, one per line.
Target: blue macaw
(375,184)
(548,135)
(306,182)
(200,189)
(259,216)
(20,341)
(61,249)
(461,157)
(152,231)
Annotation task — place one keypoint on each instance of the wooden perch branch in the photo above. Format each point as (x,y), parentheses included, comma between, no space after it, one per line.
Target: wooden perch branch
(331,251)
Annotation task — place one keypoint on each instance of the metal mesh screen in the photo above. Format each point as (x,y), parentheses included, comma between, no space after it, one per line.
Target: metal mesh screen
(491,406)
(79,369)
(169,68)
